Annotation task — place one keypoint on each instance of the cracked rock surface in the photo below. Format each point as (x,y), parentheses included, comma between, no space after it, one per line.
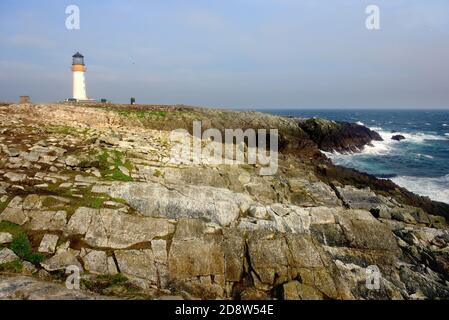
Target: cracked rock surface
(94,188)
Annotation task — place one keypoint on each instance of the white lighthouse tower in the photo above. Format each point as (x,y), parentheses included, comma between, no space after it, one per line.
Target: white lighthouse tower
(79,82)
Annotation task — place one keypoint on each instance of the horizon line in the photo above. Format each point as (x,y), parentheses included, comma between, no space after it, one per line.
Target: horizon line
(361,108)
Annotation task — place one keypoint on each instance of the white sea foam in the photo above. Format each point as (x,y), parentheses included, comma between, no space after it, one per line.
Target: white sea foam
(378,148)
(444,124)
(416,137)
(360,123)
(425,156)
(387,146)
(435,188)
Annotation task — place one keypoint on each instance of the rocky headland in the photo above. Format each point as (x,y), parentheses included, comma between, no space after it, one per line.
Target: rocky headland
(93,187)
(338,136)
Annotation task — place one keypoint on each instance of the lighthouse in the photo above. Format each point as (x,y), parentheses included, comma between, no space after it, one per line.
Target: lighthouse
(79,82)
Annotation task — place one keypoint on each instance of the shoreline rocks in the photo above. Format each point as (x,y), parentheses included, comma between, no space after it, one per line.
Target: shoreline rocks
(398,137)
(103,197)
(338,136)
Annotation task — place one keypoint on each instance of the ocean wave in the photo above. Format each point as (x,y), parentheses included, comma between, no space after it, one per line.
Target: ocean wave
(360,123)
(385,147)
(378,148)
(388,145)
(435,188)
(416,137)
(424,156)
(444,124)
(386,175)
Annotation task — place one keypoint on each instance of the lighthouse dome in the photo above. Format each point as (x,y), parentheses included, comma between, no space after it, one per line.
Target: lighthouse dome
(78,58)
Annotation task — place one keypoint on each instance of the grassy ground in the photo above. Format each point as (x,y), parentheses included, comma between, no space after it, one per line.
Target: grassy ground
(20,243)
(115,285)
(83,197)
(12,267)
(110,163)
(141,114)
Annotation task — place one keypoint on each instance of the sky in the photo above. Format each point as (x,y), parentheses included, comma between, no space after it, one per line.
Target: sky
(261,54)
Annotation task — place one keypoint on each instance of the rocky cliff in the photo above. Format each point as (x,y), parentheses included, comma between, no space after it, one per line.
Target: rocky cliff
(338,136)
(93,187)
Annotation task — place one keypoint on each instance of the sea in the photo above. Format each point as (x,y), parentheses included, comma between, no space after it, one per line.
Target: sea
(420,163)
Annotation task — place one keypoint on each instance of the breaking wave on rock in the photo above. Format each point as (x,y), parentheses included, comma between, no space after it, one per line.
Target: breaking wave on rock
(435,188)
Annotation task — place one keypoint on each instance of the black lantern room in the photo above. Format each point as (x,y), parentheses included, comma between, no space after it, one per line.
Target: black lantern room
(78,58)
